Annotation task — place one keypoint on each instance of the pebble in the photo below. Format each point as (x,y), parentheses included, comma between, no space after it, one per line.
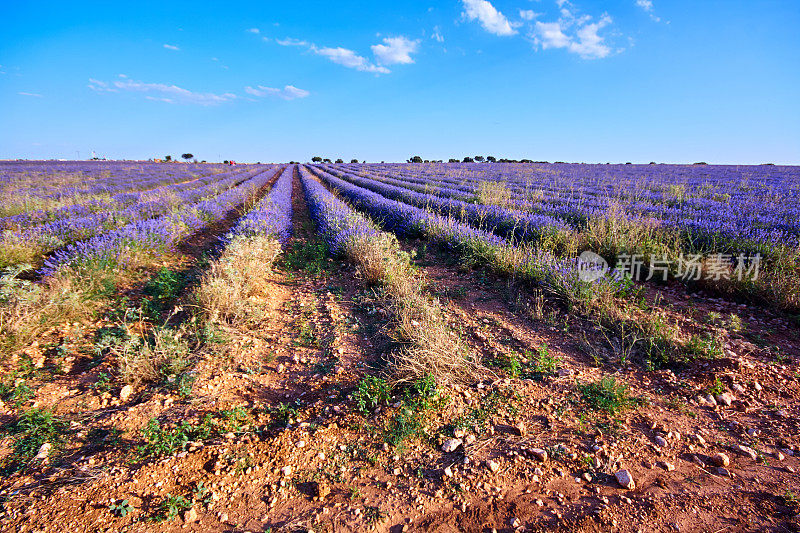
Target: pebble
(450,445)
(625,479)
(494,466)
(720,459)
(747,451)
(190,516)
(669,467)
(661,441)
(539,454)
(448,471)
(44,451)
(286,470)
(726,398)
(125,393)
(720,471)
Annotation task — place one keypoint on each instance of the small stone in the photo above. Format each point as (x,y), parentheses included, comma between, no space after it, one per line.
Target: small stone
(625,479)
(669,467)
(720,459)
(587,476)
(709,400)
(494,466)
(286,470)
(515,523)
(726,398)
(125,393)
(469,439)
(190,516)
(661,441)
(738,389)
(321,490)
(44,451)
(459,433)
(300,444)
(448,471)
(720,471)
(539,454)
(746,451)
(450,445)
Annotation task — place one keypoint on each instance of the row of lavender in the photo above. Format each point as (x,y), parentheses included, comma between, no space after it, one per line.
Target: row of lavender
(29,244)
(44,196)
(560,276)
(272,215)
(40,198)
(154,236)
(149,193)
(509,223)
(720,210)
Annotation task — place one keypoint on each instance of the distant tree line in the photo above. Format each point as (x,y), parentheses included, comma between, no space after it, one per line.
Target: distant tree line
(476,159)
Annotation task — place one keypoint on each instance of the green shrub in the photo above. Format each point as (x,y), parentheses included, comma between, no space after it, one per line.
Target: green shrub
(371,391)
(607,395)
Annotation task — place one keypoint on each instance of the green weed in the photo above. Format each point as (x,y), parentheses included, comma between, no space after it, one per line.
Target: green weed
(607,395)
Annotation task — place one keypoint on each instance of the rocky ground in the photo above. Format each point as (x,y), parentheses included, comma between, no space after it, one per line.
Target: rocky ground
(274,431)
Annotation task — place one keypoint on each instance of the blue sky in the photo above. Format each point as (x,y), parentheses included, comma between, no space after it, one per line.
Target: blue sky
(577,80)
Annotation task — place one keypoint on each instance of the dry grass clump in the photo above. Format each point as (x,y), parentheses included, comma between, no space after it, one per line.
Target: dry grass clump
(163,353)
(495,193)
(430,348)
(235,284)
(616,233)
(28,309)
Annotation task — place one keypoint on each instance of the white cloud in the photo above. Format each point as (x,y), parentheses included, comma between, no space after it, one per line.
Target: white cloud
(37,95)
(527,14)
(289,92)
(589,44)
(436,35)
(253,30)
(162,92)
(577,34)
(551,35)
(100,86)
(171,47)
(490,18)
(291,42)
(647,5)
(395,50)
(349,58)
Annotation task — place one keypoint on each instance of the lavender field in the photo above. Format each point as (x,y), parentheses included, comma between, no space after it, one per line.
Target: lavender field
(234,329)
